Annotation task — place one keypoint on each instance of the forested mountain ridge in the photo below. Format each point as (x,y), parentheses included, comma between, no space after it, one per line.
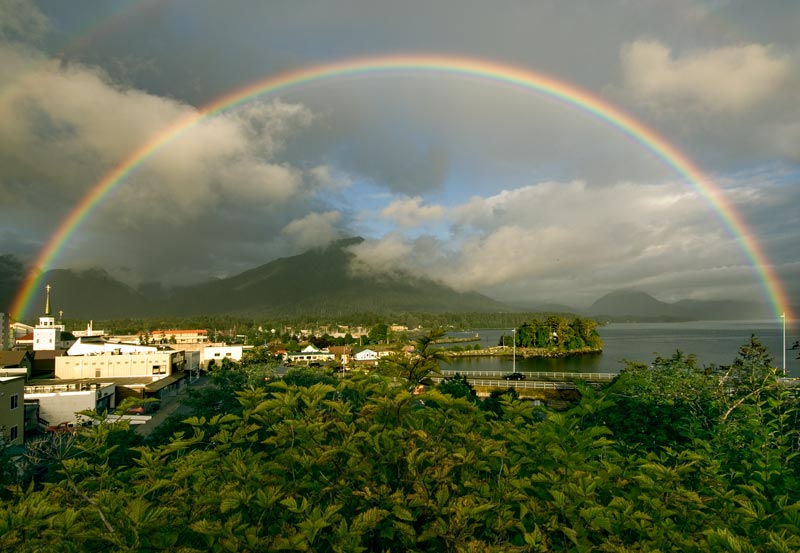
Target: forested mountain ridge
(319,283)
(315,283)
(635,305)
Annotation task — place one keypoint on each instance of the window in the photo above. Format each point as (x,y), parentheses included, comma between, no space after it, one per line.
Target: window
(13,433)
(14,401)
(158,369)
(98,373)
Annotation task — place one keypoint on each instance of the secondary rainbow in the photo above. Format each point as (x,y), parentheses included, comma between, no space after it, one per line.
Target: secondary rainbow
(417,64)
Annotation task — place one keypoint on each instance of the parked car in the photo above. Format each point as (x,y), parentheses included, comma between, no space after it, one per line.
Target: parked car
(514,376)
(61,428)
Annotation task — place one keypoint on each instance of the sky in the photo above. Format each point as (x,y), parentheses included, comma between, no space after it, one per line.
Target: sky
(477,184)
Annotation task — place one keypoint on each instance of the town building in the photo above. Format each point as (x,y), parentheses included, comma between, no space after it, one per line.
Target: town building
(18,330)
(213,355)
(48,335)
(117,364)
(372,354)
(309,355)
(60,401)
(94,345)
(5,331)
(342,354)
(90,331)
(366,355)
(179,336)
(12,410)
(16,363)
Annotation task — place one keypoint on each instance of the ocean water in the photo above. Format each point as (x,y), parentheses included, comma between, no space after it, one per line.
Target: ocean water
(713,342)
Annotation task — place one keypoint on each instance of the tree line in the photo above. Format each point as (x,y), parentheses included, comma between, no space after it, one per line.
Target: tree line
(555,332)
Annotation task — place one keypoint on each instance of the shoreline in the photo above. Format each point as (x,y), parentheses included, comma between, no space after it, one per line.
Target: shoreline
(506,351)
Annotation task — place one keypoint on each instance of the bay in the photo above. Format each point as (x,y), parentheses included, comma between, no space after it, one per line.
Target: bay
(713,342)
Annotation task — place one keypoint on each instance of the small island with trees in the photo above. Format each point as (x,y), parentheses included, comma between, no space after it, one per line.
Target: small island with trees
(551,336)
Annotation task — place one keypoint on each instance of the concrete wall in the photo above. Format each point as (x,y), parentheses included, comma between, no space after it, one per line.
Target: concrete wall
(218,353)
(12,411)
(60,406)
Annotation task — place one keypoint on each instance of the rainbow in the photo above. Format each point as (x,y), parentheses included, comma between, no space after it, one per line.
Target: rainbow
(492,71)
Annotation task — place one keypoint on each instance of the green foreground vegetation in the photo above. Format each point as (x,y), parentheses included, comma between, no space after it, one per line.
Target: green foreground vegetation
(671,456)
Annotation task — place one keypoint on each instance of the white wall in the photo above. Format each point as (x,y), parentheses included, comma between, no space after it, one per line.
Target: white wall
(218,353)
(57,407)
(12,386)
(107,365)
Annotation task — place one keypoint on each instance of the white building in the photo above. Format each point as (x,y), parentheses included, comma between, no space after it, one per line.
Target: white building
(61,401)
(12,410)
(90,331)
(95,345)
(179,336)
(311,354)
(218,353)
(366,355)
(143,364)
(47,334)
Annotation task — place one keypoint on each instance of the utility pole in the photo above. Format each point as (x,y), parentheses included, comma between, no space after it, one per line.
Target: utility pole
(514,343)
(783,316)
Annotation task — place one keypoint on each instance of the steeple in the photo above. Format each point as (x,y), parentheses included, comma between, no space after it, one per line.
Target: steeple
(47,301)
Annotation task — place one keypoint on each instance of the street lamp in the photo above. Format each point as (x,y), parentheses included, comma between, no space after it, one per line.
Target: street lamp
(783,316)
(514,343)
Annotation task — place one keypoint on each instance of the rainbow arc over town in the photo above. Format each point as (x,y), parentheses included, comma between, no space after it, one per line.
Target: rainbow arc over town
(412,65)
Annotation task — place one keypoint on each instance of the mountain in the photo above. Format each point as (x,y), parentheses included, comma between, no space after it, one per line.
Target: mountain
(315,283)
(319,282)
(633,305)
(90,294)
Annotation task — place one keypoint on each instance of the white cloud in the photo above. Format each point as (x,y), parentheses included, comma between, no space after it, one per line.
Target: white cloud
(313,230)
(411,213)
(547,240)
(326,178)
(216,181)
(732,78)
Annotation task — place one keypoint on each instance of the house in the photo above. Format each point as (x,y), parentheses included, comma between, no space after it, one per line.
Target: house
(310,354)
(16,363)
(24,341)
(12,410)
(342,354)
(372,354)
(366,355)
